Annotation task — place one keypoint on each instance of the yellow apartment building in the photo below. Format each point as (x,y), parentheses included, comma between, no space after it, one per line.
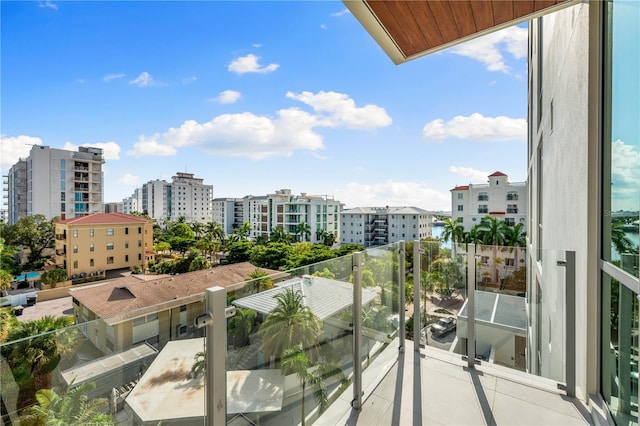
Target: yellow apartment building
(88,246)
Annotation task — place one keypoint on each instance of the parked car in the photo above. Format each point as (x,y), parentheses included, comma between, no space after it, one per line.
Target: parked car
(443,326)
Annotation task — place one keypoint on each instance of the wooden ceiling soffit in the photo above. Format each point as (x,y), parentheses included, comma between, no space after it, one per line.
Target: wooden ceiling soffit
(409,29)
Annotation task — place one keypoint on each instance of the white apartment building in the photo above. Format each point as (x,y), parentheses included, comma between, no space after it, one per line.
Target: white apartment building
(56,182)
(374,226)
(498,198)
(186,196)
(282,208)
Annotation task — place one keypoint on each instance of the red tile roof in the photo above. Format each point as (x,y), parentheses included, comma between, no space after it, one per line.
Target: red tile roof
(101,218)
(461,188)
(494,174)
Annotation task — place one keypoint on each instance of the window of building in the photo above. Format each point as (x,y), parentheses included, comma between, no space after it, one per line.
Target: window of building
(139,256)
(460,207)
(126,257)
(75,264)
(109,260)
(75,233)
(483,196)
(460,195)
(510,221)
(512,196)
(510,261)
(91,262)
(126,231)
(484,259)
(109,232)
(91,231)
(512,208)
(109,246)
(126,244)
(139,230)
(75,249)
(91,247)
(139,243)
(483,208)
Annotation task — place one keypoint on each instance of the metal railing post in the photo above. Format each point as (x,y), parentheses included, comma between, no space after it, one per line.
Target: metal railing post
(417,320)
(216,354)
(401,299)
(471,305)
(357,330)
(570,309)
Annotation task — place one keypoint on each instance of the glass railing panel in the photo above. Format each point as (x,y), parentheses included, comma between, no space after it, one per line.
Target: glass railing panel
(380,300)
(620,351)
(290,348)
(123,369)
(443,293)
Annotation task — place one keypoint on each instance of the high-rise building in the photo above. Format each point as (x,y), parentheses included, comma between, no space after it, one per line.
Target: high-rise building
(56,182)
(185,196)
(497,198)
(374,226)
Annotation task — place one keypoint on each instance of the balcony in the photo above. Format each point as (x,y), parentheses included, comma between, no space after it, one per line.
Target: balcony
(449,379)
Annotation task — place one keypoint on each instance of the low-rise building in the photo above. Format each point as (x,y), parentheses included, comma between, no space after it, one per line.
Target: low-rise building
(151,308)
(90,245)
(374,226)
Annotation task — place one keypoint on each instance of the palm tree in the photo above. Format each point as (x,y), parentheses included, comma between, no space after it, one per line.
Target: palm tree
(260,280)
(474,236)
(295,360)
(492,231)
(199,365)
(289,324)
(515,236)
(208,244)
(242,325)
(73,407)
(242,232)
(198,228)
(8,322)
(621,243)
(279,235)
(41,344)
(454,231)
(303,229)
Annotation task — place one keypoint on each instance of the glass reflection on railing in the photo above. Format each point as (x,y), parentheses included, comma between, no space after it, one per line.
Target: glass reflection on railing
(113,370)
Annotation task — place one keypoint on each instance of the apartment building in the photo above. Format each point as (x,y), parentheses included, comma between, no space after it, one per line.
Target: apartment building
(374,226)
(185,195)
(497,198)
(151,309)
(56,182)
(113,207)
(280,209)
(90,245)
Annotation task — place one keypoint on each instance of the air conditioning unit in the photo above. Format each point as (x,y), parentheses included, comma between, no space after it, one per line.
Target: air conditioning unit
(181,330)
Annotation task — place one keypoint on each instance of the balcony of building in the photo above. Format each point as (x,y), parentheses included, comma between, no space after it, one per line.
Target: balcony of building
(163,363)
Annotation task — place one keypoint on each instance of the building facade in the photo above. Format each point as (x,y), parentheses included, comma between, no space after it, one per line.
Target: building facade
(584,158)
(56,183)
(374,226)
(185,196)
(90,245)
(497,198)
(282,209)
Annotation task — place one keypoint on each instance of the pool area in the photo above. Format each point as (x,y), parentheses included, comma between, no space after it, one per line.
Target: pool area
(27,276)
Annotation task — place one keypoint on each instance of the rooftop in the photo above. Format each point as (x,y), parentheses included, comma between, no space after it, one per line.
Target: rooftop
(104,218)
(132,296)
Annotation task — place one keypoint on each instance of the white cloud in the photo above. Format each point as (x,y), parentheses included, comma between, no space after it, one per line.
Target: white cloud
(341,110)
(490,49)
(257,45)
(624,163)
(258,137)
(111,150)
(323,27)
(342,12)
(143,80)
(128,179)
(249,64)
(227,97)
(12,148)
(393,194)
(476,127)
(150,146)
(48,4)
(189,80)
(470,173)
(110,77)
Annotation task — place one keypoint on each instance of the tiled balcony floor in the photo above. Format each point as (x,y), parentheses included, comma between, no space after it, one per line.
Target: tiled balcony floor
(436,388)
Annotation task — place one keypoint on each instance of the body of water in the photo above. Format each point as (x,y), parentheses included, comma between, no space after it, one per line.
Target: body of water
(27,276)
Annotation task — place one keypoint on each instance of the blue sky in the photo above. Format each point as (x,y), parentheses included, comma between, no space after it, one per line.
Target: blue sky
(259,96)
